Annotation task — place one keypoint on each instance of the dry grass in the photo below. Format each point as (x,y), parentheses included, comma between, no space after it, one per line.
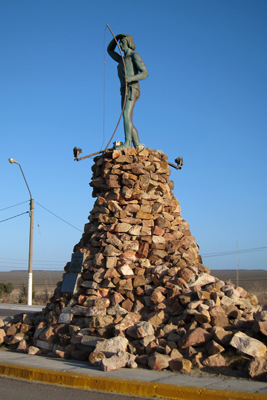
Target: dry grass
(44,283)
(253,281)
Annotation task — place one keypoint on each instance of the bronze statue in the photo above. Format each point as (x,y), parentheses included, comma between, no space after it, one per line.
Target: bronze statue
(135,71)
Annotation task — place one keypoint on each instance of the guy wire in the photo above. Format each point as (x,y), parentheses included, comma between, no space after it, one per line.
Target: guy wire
(104,88)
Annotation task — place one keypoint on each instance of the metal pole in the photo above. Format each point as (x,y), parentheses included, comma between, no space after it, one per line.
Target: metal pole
(24,178)
(29,300)
(237,264)
(30,254)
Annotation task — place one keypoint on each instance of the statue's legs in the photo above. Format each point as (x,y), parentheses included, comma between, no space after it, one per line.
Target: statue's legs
(135,137)
(130,131)
(128,122)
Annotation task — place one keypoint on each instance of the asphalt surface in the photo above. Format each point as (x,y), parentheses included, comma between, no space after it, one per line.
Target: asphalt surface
(9,310)
(31,390)
(143,382)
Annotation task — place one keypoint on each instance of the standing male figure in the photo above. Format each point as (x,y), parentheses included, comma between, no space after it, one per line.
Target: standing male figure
(135,71)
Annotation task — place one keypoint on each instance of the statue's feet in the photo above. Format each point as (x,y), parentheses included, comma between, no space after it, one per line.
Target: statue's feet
(127,145)
(123,146)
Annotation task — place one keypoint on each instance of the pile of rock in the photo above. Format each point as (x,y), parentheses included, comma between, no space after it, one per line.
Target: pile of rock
(143,296)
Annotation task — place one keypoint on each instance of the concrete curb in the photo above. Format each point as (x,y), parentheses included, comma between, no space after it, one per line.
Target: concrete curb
(123,386)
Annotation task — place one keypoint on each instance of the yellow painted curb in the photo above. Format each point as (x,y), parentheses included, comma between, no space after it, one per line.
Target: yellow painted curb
(123,386)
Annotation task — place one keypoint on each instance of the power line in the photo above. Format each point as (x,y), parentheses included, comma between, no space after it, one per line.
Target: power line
(6,208)
(58,217)
(224,253)
(15,216)
(35,267)
(227,253)
(104,88)
(21,259)
(250,280)
(35,263)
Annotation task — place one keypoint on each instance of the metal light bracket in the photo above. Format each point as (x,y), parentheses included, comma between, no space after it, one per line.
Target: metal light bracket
(77,151)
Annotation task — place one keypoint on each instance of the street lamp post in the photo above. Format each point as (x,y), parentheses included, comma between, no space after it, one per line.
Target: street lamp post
(29,302)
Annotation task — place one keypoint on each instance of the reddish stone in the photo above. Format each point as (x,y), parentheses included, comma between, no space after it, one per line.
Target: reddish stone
(138,307)
(243,293)
(110,251)
(169,237)
(143,250)
(129,320)
(221,336)
(157,362)
(194,337)
(157,297)
(186,274)
(174,246)
(232,312)
(116,154)
(158,231)
(216,360)
(47,334)
(258,369)
(24,328)
(124,285)
(218,317)
(2,335)
(32,350)
(117,361)
(124,159)
(115,241)
(263,327)
(157,208)
(157,318)
(111,273)
(162,223)
(22,346)
(127,304)
(144,329)
(129,256)
(130,151)
(139,280)
(252,298)
(99,259)
(13,329)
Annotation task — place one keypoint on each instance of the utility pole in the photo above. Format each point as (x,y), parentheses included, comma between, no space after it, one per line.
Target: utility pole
(29,302)
(237,264)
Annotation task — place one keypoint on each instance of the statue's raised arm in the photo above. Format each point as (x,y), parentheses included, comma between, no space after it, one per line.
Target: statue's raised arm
(112,46)
(135,71)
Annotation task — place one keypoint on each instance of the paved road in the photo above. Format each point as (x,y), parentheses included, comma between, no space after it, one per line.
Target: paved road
(12,389)
(8,313)
(8,310)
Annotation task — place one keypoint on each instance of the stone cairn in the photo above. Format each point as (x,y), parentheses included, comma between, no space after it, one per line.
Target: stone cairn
(143,297)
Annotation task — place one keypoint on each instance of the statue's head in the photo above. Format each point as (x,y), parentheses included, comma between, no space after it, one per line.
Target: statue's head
(130,42)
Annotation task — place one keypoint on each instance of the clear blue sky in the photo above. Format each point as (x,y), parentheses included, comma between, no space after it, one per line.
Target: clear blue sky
(205,99)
